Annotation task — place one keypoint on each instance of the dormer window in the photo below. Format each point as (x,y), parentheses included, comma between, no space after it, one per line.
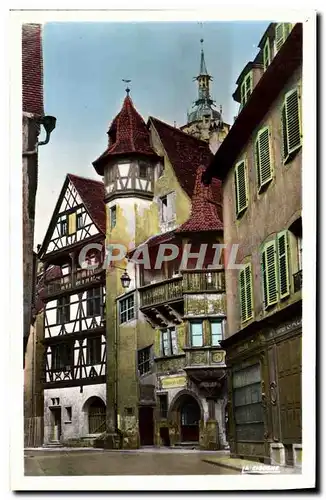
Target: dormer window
(246,88)
(267,54)
(282,31)
(167,207)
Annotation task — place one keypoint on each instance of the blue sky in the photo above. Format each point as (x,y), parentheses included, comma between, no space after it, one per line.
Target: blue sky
(84,64)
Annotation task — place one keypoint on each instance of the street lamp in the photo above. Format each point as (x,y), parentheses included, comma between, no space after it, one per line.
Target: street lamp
(125,279)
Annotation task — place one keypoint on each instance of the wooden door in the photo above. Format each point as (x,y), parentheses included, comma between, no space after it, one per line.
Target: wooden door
(146,426)
(96,417)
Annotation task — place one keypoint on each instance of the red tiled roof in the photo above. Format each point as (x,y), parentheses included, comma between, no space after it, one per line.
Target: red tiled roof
(131,135)
(156,240)
(92,195)
(186,153)
(204,213)
(32,69)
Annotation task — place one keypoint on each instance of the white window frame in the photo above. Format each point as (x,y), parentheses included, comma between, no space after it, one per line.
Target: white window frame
(128,311)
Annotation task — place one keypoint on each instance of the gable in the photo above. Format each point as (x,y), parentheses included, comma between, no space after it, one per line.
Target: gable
(71,222)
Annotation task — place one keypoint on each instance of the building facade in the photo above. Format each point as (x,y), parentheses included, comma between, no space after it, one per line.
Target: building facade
(72,295)
(260,165)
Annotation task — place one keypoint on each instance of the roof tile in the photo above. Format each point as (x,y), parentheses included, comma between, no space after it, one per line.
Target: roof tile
(32,69)
(92,194)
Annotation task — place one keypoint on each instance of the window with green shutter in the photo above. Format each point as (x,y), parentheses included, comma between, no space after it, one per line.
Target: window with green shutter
(269,272)
(291,126)
(282,31)
(246,297)
(246,88)
(283,264)
(266,54)
(263,158)
(241,188)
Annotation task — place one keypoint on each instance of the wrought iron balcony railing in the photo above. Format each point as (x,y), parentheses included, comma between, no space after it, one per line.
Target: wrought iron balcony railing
(297,281)
(73,280)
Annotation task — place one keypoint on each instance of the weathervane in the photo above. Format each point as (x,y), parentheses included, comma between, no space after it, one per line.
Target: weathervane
(127,89)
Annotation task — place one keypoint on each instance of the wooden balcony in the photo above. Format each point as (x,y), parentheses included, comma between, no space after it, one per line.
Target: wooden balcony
(297,281)
(71,281)
(173,289)
(202,281)
(161,293)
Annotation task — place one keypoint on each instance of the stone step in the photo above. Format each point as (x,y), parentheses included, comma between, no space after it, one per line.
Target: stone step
(187,444)
(53,444)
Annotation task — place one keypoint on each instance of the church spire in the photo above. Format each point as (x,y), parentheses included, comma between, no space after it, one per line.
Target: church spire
(203,69)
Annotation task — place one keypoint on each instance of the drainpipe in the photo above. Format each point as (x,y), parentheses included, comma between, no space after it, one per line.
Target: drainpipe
(49,123)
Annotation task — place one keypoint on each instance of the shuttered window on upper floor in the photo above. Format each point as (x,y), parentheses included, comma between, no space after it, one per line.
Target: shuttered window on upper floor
(263,158)
(246,293)
(266,54)
(275,269)
(291,124)
(282,31)
(241,187)
(246,88)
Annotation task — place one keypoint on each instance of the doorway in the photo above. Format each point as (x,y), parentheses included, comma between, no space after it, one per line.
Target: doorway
(190,417)
(146,426)
(96,416)
(55,424)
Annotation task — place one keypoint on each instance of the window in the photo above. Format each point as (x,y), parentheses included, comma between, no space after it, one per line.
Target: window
(142,171)
(216,332)
(163,402)
(282,31)
(247,399)
(196,333)
(68,414)
(127,309)
(266,54)
(169,342)
(63,310)
(263,158)
(144,360)
(241,189)
(113,216)
(291,124)
(62,356)
(63,227)
(246,293)
(80,222)
(72,223)
(94,348)
(160,169)
(246,88)
(299,248)
(275,269)
(94,301)
(167,207)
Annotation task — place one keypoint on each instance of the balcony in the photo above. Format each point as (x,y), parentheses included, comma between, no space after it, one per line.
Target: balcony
(297,281)
(70,281)
(172,289)
(206,367)
(161,293)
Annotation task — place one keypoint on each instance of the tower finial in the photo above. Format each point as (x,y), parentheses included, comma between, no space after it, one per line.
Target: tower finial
(127,88)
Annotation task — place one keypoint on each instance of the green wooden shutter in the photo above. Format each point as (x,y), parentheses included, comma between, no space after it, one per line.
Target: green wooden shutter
(249,292)
(267,54)
(236,191)
(279,35)
(264,277)
(243,308)
(246,293)
(263,157)
(293,132)
(242,93)
(270,274)
(283,264)
(241,183)
(285,149)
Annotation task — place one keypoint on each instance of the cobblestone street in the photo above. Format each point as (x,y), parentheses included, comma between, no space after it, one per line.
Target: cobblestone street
(102,462)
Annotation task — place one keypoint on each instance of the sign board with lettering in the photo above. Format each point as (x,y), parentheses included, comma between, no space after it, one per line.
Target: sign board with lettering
(169,382)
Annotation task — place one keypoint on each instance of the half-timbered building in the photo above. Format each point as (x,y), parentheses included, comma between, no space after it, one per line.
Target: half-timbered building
(73,296)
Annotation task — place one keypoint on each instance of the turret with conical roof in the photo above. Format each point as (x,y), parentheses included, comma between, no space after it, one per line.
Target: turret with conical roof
(128,162)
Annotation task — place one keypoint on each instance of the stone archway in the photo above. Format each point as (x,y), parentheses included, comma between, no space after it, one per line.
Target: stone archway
(95,408)
(185,416)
